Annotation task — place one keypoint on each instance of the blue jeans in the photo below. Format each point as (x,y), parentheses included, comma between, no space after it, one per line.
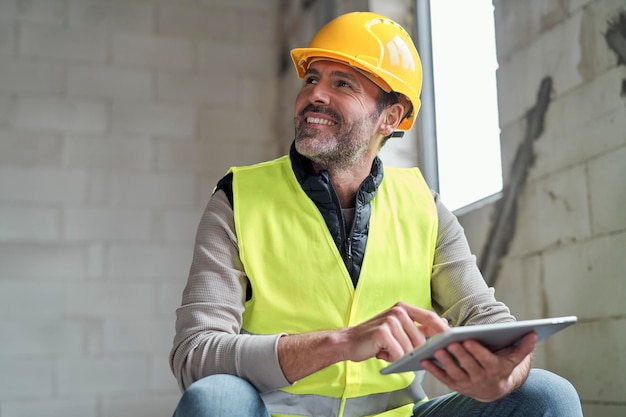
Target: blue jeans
(543,394)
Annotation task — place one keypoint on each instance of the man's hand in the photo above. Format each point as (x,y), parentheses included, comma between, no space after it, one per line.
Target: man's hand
(472,370)
(393,333)
(388,335)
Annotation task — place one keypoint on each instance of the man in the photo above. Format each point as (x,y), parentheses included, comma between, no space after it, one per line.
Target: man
(313,271)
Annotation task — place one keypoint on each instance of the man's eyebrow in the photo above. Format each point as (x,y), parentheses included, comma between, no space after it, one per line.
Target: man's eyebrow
(311,71)
(343,74)
(335,73)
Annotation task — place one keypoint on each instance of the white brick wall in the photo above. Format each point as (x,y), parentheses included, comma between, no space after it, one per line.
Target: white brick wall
(115,374)
(156,190)
(199,22)
(68,406)
(137,406)
(242,59)
(32,376)
(75,44)
(97,224)
(560,50)
(608,171)
(103,177)
(216,90)
(7,107)
(39,11)
(42,185)
(40,262)
(552,211)
(156,262)
(60,114)
(115,16)
(126,152)
(102,82)
(29,223)
(21,76)
(153,118)
(7,38)
(594,116)
(149,51)
(567,255)
(45,299)
(585,264)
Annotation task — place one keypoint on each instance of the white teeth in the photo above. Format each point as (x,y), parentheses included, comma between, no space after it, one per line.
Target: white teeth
(319,121)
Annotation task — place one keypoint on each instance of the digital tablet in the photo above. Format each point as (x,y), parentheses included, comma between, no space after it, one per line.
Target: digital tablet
(492,336)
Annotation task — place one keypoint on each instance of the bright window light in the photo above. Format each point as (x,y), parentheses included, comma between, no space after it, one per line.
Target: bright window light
(464,67)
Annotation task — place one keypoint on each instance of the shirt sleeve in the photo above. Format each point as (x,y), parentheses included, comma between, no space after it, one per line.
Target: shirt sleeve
(459,292)
(208,336)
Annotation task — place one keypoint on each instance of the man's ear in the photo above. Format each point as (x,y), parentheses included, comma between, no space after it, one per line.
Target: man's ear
(392,116)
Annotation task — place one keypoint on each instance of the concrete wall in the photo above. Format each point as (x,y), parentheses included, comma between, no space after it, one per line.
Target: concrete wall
(566,256)
(116,120)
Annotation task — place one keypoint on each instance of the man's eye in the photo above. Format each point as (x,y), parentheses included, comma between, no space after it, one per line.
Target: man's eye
(344,84)
(310,80)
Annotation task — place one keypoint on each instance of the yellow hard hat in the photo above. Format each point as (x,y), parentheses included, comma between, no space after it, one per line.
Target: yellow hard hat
(377,46)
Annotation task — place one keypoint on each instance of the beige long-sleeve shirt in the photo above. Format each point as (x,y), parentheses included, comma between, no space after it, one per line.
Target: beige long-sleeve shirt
(208,336)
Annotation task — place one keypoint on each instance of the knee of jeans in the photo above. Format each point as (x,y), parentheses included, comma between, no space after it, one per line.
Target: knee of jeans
(213,396)
(215,385)
(545,386)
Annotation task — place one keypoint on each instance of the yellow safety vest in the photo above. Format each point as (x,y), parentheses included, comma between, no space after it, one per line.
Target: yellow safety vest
(300,282)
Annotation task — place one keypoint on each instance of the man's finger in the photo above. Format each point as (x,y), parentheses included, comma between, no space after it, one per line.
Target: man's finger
(425,317)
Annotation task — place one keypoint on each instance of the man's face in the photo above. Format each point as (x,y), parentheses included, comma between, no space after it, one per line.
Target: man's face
(336,115)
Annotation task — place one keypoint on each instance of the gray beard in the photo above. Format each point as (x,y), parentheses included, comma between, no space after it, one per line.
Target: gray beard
(340,157)
(345,154)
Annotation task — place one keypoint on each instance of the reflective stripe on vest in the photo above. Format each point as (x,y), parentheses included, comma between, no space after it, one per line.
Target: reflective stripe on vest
(300,283)
(286,404)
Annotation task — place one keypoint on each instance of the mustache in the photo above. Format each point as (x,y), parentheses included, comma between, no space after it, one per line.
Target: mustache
(320,109)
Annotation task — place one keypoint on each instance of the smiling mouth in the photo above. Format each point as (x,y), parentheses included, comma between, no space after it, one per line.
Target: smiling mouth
(320,121)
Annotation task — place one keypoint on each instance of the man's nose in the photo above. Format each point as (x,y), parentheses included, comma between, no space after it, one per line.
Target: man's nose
(320,93)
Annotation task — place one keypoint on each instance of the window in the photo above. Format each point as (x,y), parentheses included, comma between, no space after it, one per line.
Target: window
(468,135)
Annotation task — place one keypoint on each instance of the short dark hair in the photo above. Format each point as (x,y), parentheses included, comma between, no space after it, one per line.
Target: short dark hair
(385,100)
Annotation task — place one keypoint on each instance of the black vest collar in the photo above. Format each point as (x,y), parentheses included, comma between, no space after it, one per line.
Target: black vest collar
(318,185)
(350,241)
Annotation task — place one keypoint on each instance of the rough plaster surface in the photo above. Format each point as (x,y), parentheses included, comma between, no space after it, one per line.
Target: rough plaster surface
(503,227)
(566,256)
